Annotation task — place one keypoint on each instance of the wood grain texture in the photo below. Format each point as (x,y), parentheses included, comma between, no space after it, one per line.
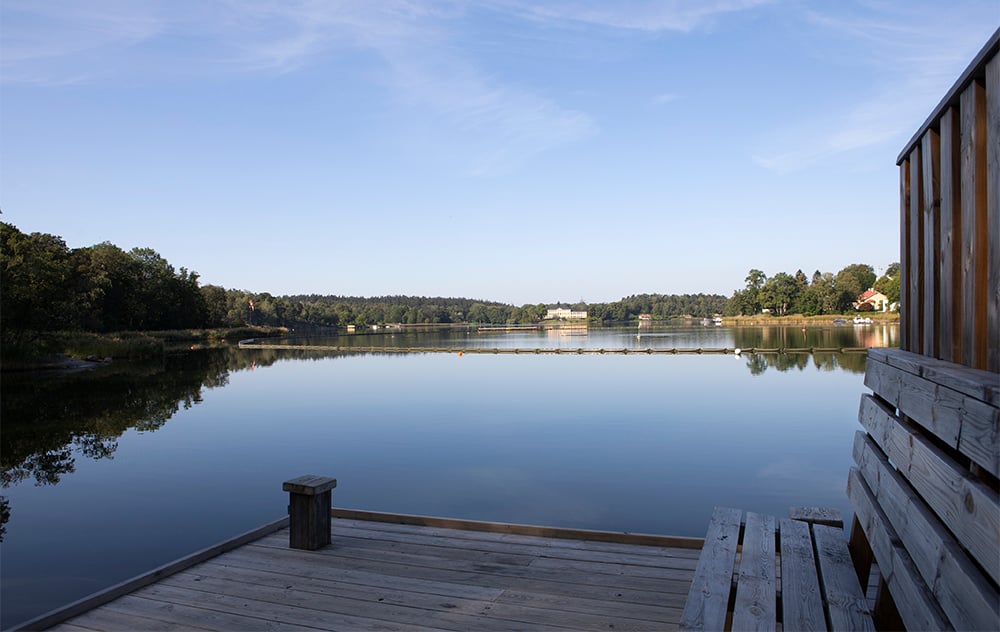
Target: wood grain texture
(918,606)
(708,602)
(993,212)
(950,262)
(801,602)
(930,152)
(974,226)
(756,602)
(847,607)
(959,586)
(961,502)
(965,423)
(396,576)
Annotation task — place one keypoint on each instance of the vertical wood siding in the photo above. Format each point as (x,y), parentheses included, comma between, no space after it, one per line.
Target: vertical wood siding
(950,223)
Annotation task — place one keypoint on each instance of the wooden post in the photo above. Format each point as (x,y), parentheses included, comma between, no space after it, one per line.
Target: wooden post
(309,500)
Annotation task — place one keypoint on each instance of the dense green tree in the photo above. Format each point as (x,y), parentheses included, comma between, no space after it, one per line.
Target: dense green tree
(888,283)
(36,278)
(851,281)
(778,293)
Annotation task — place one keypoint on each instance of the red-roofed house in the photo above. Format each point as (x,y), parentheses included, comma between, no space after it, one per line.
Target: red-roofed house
(879,302)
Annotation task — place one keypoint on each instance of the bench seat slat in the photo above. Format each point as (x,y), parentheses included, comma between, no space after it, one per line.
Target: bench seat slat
(756,607)
(801,603)
(846,603)
(708,600)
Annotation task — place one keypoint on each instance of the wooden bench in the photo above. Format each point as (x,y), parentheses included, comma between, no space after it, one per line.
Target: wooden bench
(757,572)
(924,492)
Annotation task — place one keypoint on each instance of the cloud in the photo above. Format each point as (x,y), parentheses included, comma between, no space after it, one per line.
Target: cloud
(641,15)
(63,42)
(663,99)
(503,122)
(905,60)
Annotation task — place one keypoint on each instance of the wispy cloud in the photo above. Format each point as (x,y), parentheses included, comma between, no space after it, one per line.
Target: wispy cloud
(65,42)
(643,15)
(51,43)
(664,98)
(906,58)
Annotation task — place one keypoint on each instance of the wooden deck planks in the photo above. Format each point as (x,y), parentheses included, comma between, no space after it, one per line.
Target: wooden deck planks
(381,576)
(708,603)
(801,601)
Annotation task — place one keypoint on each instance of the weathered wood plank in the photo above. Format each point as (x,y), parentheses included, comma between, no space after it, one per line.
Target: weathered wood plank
(913,311)
(930,152)
(143,608)
(756,601)
(846,603)
(970,425)
(976,383)
(708,602)
(256,611)
(646,556)
(110,619)
(521,529)
(964,594)
(340,599)
(905,265)
(690,550)
(972,107)
(993,212)
(921,611)
(950,267)
(817,515)
(801,603)
(970,509)
(652,592)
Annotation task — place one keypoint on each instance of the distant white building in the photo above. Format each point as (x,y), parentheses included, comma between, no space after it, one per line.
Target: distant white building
(565,314)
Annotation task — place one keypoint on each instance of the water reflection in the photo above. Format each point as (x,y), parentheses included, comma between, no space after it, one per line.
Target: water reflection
(49,421)
(630,443)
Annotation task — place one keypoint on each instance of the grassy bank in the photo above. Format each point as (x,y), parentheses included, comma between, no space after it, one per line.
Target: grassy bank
(33,350)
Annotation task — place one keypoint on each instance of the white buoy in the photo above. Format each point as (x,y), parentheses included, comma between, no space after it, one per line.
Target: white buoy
(737,350)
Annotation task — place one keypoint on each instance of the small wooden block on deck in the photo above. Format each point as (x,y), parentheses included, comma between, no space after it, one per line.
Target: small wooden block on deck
(309,502)
(309,485)
(757,572)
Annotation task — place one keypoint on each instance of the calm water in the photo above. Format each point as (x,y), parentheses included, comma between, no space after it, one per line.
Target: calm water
(110,473)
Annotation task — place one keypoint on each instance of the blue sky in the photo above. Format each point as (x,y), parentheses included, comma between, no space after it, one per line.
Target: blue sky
(504,149)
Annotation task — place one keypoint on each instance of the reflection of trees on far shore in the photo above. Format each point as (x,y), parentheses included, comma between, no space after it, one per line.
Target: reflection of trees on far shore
(51,418)
(853,362)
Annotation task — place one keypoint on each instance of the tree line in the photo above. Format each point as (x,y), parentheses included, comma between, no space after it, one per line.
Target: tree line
(47,286)
(825,293)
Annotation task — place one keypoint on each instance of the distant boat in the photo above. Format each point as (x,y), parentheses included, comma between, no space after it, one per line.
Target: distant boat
(839,321)
(717,320)
(862,321)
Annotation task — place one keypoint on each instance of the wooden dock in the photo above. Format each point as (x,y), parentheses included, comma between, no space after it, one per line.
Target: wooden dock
(397,572)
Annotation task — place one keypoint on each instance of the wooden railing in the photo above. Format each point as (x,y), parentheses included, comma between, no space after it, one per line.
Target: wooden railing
(949,177)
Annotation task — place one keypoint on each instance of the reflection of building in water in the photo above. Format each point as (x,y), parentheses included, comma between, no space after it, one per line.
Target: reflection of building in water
(565,313)
(878,337)
(571,329)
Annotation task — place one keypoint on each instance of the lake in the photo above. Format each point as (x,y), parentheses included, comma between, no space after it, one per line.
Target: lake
(109,473)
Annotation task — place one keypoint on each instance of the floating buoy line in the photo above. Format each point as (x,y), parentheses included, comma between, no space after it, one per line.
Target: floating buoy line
(254,344)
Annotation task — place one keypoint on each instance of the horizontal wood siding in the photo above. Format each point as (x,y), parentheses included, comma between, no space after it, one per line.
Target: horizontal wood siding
(925,488)
(950,223)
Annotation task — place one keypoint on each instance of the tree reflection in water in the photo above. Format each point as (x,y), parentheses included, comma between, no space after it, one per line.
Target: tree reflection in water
(50,418)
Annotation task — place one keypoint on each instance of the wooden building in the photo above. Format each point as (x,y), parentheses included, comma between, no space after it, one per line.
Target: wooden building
(925,488)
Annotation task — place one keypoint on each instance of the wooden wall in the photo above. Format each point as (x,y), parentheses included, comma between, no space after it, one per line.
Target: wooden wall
(949,175)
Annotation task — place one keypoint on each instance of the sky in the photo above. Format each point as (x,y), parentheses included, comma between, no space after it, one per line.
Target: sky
(509,150)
